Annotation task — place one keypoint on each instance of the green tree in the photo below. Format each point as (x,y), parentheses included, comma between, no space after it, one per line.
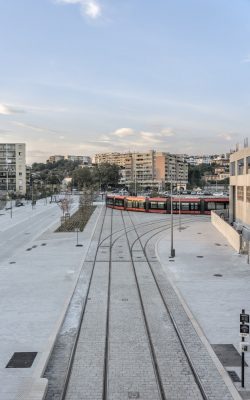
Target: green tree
(106,175)
(83,177)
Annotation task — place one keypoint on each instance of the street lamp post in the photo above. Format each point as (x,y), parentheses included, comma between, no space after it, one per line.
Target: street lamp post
(180,207)
(7,186)
(172,250)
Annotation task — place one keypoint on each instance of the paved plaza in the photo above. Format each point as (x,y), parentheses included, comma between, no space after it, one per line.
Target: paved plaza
(39,270)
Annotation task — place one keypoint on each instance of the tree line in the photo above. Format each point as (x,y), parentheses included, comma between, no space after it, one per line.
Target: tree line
(100,176)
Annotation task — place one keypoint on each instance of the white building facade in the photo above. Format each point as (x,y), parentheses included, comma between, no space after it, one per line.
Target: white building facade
(240,187)
(13,168)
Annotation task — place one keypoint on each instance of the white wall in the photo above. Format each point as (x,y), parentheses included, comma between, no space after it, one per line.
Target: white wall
(227,230)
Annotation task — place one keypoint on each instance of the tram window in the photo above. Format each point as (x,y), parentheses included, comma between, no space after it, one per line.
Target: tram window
(154,204)
(130,204)
(219,206)
(110,202)
(185,206)
(119,202)
(211,205)
(161,205)
(141,204)
(194,206)
(175,205)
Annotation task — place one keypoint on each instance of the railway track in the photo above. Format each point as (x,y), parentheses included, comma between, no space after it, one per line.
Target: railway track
(128,342)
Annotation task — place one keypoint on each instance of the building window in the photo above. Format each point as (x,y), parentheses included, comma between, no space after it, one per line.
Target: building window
(248,194)
(240,193)
(248,164)
(240,165)
(232,168)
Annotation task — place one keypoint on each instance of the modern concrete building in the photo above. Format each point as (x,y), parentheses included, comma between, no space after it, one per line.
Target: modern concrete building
(13,168)
(240,188)
(148,169)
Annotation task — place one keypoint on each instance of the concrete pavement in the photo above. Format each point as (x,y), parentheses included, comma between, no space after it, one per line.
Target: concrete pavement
(214,281)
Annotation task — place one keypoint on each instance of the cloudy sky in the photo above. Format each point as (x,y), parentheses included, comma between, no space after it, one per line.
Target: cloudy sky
(88,76)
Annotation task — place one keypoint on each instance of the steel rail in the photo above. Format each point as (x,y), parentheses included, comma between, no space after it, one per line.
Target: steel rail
(106,351)
(151,346)
(192,367)
(73,351)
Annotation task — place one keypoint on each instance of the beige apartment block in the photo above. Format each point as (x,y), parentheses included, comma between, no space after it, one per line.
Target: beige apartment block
(13,168)
(148,169)
(55,158)
(240,187)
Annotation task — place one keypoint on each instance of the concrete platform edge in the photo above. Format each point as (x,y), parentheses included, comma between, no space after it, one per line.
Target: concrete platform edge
(38,387)
(233,390)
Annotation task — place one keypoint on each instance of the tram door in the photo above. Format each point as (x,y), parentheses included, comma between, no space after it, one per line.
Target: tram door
(202,205)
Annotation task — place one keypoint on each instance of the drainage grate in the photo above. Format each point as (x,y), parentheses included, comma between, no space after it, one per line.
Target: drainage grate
(200,256)
(21,360)
(198,233)
(171,260)
(33,247)
(12,262)
(233,376)
(217,244)
(218,275)
(133,395)
(124,299)
(44,244)
(29,249)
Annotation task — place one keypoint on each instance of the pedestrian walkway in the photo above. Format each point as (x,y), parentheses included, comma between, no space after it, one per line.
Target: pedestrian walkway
(214,281)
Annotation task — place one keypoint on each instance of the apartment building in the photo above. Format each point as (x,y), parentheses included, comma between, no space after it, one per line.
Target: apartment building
(148,169)
(55,158)
(240,188)
(13,168)
(85,160)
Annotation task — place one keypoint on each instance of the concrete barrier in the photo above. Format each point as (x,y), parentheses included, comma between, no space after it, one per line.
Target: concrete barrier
(227,230)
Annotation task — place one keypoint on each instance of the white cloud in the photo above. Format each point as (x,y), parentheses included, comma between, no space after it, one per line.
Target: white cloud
(123,132)
(166,132)
(226,136)
(246,60)
(37,128)
(9,110)
(89,8)
(150,137)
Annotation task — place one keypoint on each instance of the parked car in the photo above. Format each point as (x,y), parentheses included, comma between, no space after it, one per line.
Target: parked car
(19,203)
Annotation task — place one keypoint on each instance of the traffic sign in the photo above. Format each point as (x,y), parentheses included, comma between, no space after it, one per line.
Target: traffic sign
(244,318)
(244,347)
(244,328)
